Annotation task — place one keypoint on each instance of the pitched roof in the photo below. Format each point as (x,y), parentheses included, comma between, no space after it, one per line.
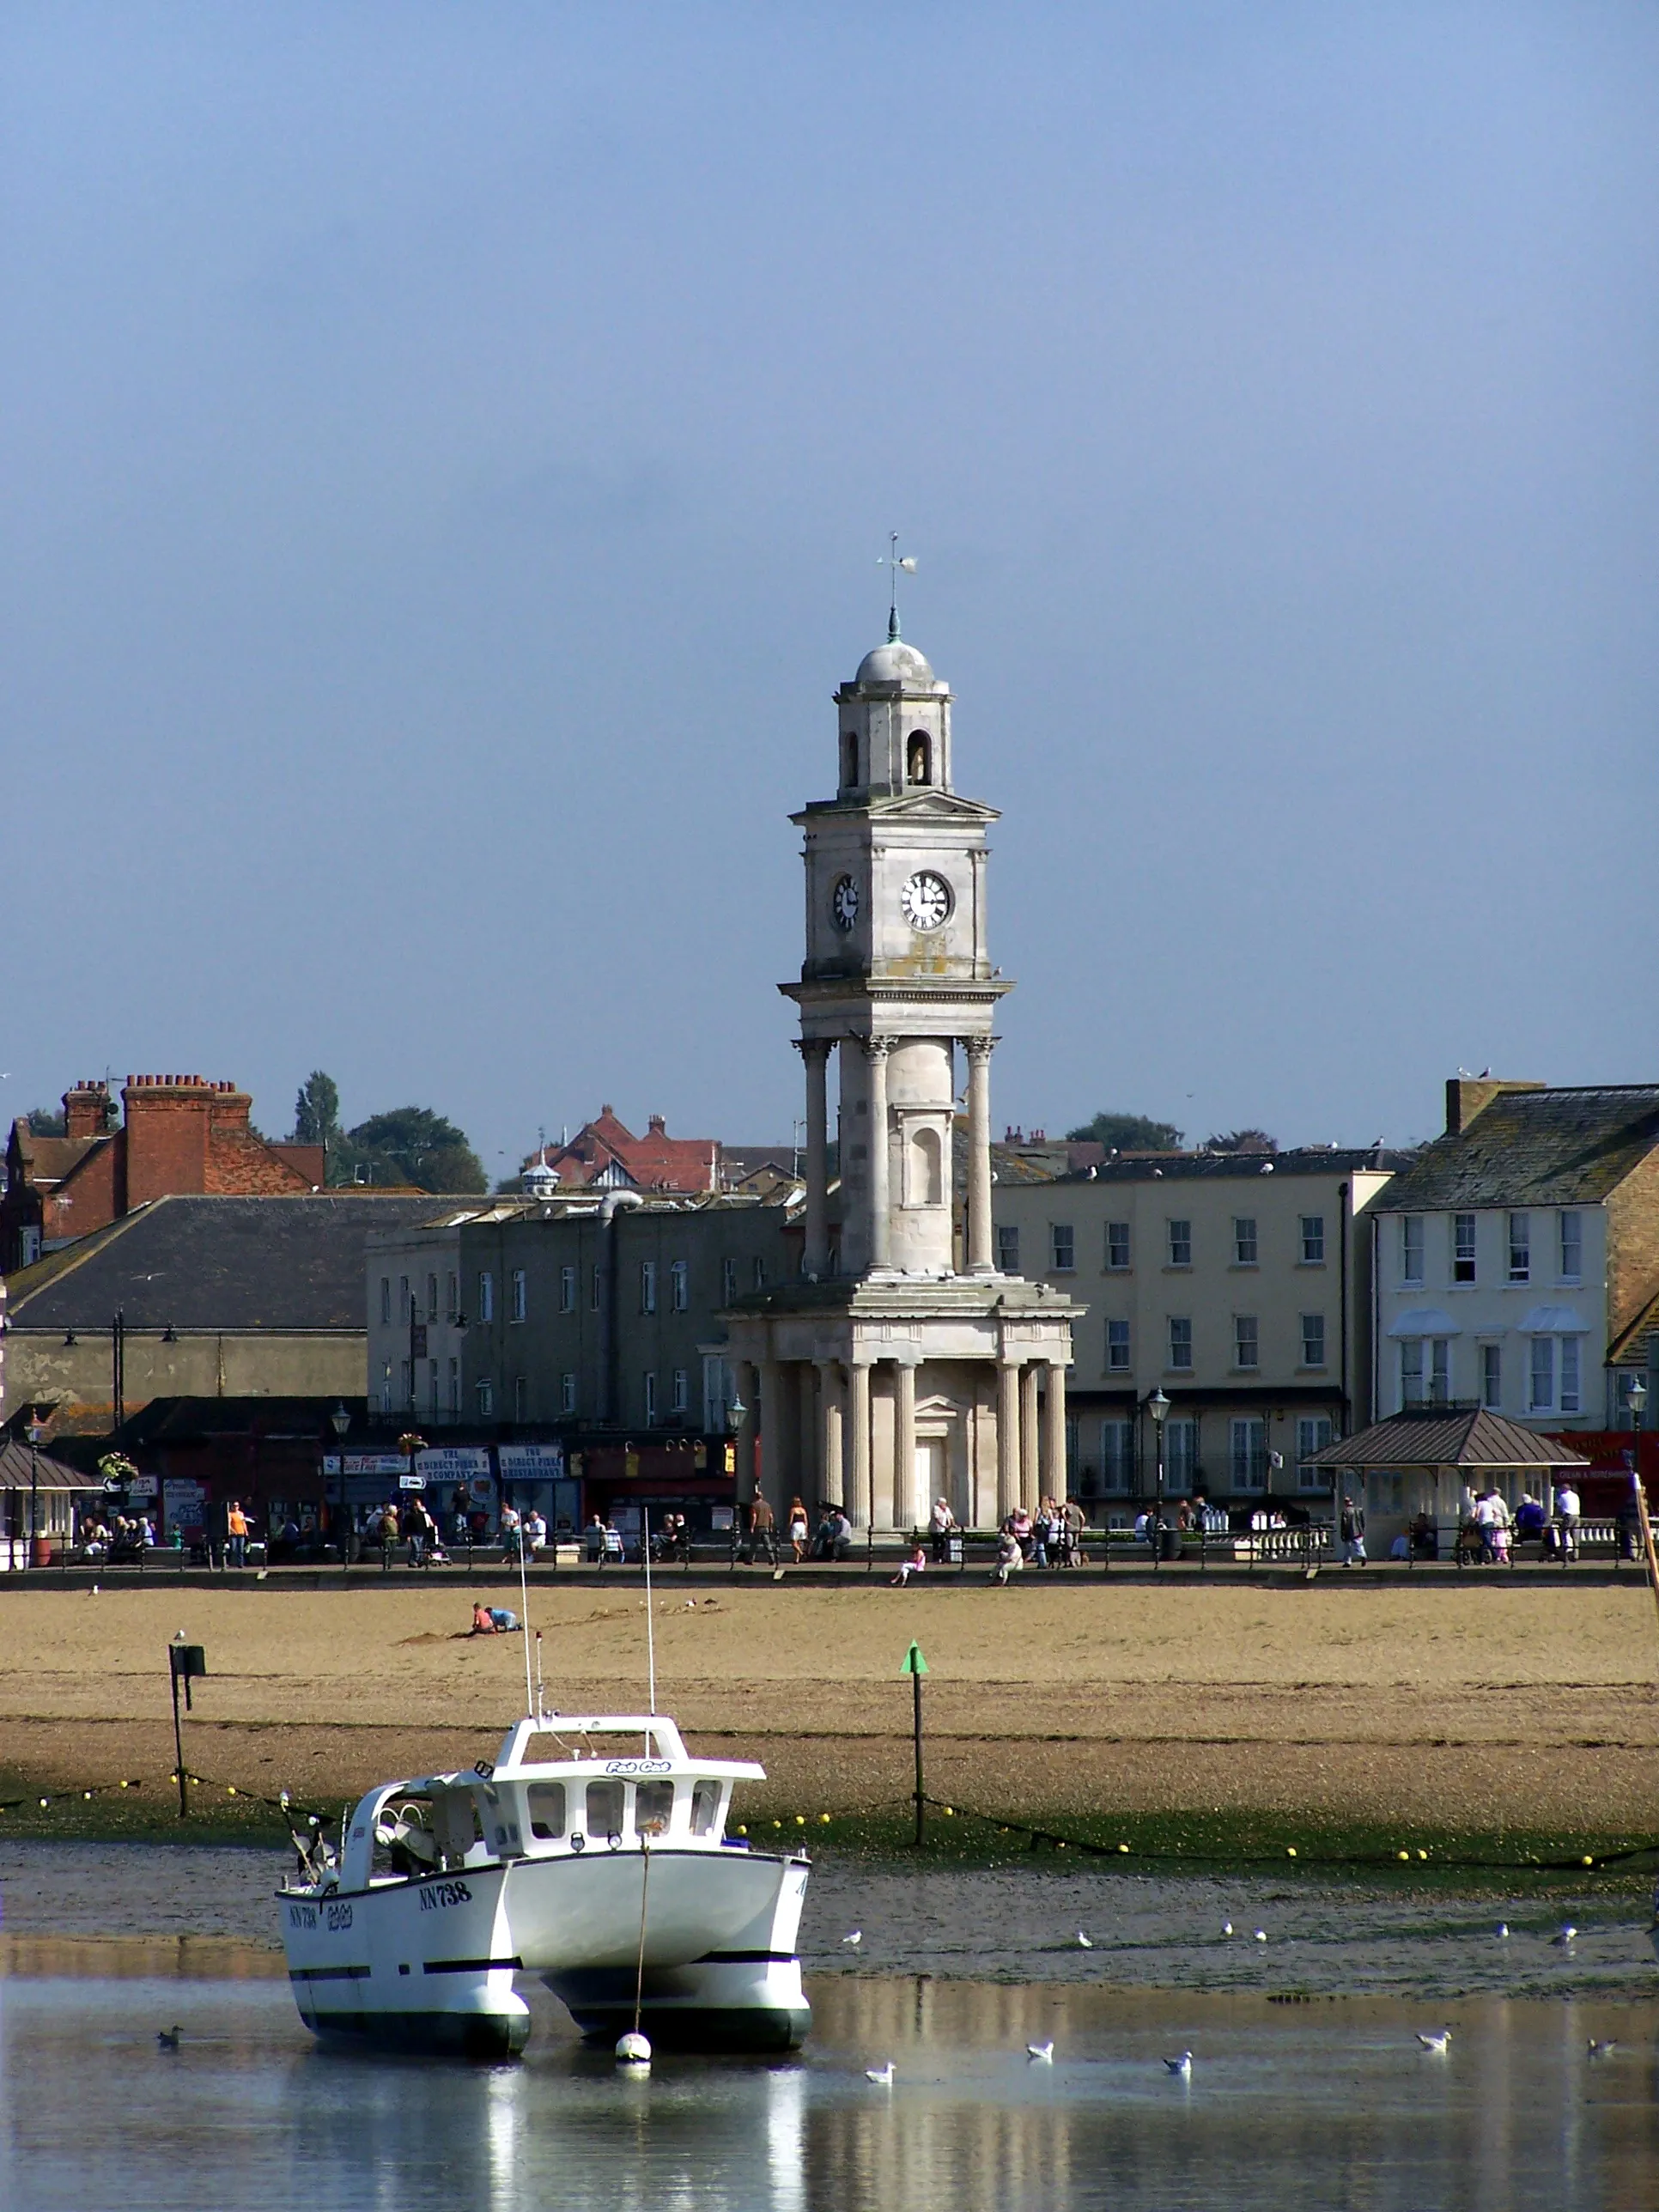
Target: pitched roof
(215,1263)
(1447,1436)
(22,1469)
(1302,1160)
(1630,1347)
(49,1159)
(1555,1147)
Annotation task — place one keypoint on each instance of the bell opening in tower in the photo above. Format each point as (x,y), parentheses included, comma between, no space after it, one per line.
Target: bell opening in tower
(919,758)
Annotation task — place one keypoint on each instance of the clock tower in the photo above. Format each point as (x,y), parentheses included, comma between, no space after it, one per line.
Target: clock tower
(901,1366)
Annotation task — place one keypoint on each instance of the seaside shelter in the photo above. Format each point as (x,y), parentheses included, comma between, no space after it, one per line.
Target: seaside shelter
(1433,1462)
(32,1481)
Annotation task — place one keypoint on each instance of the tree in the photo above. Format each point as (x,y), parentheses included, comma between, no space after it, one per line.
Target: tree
(1243,1140)
(47,1121)
(413,1144)
(317,1110)
(1127,1132)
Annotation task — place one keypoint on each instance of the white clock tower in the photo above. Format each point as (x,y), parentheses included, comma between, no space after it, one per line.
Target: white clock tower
(900,1368)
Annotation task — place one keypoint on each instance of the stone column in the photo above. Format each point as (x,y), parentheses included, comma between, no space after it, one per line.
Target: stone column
(1053,1440)
(772,1443)
(876,1050)
(981,1257)
(832,1480)
(805,1380)
(1007,1436)
(814,1051)
(857,1421)
(904,1447)
(1030,1468)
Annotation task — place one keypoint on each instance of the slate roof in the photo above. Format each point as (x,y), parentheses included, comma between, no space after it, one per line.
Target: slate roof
(1630,1347)
(1304,1160)
(1446,1436)
(283,1264)
(1556,1147)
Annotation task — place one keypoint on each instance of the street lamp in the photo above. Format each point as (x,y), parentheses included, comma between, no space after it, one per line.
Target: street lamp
(37,1438)
(1158,1407)
(339,1420)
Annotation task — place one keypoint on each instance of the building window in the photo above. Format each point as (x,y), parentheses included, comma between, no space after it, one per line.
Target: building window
(728,1281)
(432,1298)
(520,1295)
(650,1395)
(1520,1247)
(385,1387)
(1411,1248)
(1462,1248)
(386,1301)
(1571,1227)
(1492,1376)
(1180,1455)
(1181,1243)
(1313,1339)
(521,1397)
(1243,1242)
(1247,1341)
(566,1289)
(595,1289)
(452,1295)
(1541,1396)
(760,1273)
(1246,1452)
(1426,1371)
(486,1399)
(406,1308)
(1117,1458)
(486,1297)
(1063,1248)
(1117,1348)
(1572,1398)
(567,1393)
(1007,1248)
(1313,1240)
(432,1385)
(681,1398)
(648,1286)
(1117,1243)
(406,1384)
(455,1388)
(1313,1433)
(679,1286)
(1439,1371)
(1181,1344)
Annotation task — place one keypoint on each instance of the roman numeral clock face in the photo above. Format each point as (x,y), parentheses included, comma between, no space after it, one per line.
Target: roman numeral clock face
(924,902)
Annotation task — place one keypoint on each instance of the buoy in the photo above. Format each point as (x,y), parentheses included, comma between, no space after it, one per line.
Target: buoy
(1404,1855)
(1290,1851)
(824,1820)
(634,2049)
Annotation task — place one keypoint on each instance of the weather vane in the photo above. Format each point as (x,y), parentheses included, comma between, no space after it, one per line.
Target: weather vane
(892,561)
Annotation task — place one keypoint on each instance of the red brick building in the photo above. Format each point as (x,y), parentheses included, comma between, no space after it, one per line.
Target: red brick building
(605,1155)
(177,1136)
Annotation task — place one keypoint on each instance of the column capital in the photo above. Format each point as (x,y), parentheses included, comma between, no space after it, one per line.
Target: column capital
(876,1048)
(813,1047)
(978,1047)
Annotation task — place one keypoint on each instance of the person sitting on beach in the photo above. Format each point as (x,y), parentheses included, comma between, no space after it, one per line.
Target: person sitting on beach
(915,1565)
(493,1619)
(482,1622)
(1010,1559)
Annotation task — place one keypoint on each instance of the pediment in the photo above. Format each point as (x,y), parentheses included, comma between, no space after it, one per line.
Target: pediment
(931,805)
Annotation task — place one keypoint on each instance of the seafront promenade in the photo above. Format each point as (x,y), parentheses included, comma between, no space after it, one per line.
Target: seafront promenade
(1477,1704)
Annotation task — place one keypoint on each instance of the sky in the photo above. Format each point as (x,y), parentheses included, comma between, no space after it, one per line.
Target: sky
(445,454)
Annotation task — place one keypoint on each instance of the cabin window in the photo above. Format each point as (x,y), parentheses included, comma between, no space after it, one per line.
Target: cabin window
(546,1801)
(705,1807)
(604,1808)
(919,758)
(653,1808)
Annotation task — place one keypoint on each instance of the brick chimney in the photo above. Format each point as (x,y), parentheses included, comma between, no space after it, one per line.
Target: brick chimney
(656,1127)
(1466,1095)
(86,1110)
(167,1123)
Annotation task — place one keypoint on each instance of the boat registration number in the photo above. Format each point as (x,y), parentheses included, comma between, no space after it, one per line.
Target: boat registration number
(335,1917)
(639,1766)
(438,1894)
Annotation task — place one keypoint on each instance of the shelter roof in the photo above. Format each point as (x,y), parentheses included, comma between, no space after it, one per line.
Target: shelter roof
(1446,1435)
(22,1469)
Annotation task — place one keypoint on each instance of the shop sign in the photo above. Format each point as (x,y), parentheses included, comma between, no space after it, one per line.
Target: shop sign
(366,1462)
(184,1503)
(143,1486)
(452,1462)
(530,1462)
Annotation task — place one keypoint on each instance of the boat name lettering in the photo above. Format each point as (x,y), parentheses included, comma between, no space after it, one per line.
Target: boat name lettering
(302,1915)
(438,1894)
(339,1916)
(639,1766)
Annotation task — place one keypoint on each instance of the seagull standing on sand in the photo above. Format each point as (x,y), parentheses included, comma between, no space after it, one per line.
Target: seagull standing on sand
(1600,2049)
(1226,1926)
(1085,1942)
(1437,2041)
(170,2038)
(881,2075)
(854,1937)
(1503,1928)
(1183,2065)
(1046,2050)
(1568,1931)
(1261,1934)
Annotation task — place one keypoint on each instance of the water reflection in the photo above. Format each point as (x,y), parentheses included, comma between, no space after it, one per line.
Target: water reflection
(1325,2103)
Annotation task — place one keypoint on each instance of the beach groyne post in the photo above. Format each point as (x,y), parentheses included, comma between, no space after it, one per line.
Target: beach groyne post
(187,1663)
(915,1667)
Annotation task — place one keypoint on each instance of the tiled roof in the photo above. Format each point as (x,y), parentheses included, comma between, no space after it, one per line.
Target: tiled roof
(1465,1436)
(1560,1147)
(1630,1347)
(49,1159)
(212,1263)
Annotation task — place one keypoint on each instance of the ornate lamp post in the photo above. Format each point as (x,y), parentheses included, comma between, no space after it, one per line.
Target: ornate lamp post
(37,1438)
(1158,1407)
(339,1420)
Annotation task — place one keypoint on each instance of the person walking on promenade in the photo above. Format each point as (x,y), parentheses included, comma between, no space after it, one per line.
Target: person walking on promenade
(1352,1531)
(798,1528)
(388,1535)
(942,1521)
(762,1529)
(1567,1512)
(422,1532)
(594,1540)
(236,1534)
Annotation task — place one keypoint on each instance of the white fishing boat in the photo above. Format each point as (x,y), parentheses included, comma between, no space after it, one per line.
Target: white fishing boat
(593,1853)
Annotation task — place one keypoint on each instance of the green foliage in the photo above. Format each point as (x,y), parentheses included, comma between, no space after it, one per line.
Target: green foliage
(317,1110)
(1243,1140)
(46,1122)
(410,1144)
(1127,1132)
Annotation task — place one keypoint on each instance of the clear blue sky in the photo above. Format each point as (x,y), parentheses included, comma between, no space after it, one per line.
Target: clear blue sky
(443,452)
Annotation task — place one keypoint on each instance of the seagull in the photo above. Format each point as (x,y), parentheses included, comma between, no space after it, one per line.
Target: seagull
(881,2075)
(1503,1928)
(1261,1934)
(1046,2050)
(1568,1931)
(1182,2065)
(1439,2043)
(1085,1942)
(1226,1926)
(170,2038)
(1602,2049)
(854,1937)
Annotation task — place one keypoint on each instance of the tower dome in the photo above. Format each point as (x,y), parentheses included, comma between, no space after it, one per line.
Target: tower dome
(895,662)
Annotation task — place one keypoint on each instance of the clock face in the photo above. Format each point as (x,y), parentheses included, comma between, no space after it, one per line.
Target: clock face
(844,902)
(925,901)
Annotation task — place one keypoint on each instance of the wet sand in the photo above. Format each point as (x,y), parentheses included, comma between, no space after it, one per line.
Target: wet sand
(1477,1705)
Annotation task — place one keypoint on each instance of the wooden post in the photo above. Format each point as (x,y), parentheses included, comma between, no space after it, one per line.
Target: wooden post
(1647,1532)
(915,1667)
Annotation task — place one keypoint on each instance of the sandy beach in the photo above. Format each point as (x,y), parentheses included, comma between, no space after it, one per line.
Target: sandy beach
(1481,1705)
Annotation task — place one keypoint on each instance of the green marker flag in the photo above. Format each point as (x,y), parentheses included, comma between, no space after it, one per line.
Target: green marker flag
(913,1662)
